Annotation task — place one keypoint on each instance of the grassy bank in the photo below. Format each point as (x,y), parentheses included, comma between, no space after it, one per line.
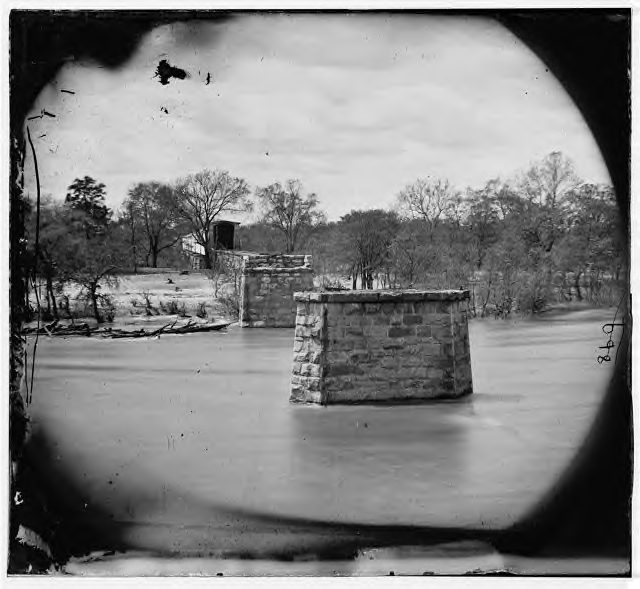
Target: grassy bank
(151,297)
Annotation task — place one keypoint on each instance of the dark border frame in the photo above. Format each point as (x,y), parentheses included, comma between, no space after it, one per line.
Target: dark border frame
(588,50)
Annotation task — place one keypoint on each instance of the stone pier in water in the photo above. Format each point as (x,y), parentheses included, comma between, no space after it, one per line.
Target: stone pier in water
(380,346)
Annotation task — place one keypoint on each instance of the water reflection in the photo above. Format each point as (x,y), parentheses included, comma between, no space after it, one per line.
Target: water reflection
(379,464)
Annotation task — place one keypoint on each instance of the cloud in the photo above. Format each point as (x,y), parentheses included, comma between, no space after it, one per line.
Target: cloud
(356,106)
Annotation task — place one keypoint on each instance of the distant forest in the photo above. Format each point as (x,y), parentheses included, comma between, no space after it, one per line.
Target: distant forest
(522,244)
(545,237)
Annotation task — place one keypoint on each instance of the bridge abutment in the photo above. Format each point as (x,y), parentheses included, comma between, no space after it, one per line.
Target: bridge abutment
(268,283)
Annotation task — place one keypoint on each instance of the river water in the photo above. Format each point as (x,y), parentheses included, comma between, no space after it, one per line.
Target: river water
(164,434)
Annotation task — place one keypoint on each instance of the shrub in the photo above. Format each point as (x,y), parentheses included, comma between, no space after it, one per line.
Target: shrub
(174,308)
(148,305)
(230,304)
(170,308)
(108,307)
(201,311)
(63,305)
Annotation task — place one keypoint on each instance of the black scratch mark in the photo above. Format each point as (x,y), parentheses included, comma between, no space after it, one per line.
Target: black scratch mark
(165,71)
(208,78)
(42,114)
(68,91)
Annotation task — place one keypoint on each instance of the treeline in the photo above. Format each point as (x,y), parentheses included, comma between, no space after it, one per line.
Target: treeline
(544,237)
(81,241)
(541,238)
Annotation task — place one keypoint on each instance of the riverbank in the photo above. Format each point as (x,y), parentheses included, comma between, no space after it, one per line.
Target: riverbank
(152,299)
(145,299)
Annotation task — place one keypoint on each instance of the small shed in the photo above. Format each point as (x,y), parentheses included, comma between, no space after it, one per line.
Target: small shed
(224,235)
(223,238)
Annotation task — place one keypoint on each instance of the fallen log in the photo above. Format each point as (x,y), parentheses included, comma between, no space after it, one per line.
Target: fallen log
(116,333)
(169,329)
(55,329)
(109,332)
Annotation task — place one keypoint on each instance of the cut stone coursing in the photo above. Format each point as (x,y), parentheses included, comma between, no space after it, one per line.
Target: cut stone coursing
(267,286)
(380,346)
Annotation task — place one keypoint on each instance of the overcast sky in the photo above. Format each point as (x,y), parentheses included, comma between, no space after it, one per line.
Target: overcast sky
(355,106)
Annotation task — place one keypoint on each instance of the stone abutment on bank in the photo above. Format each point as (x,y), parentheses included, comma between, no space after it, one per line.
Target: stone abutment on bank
(267,285)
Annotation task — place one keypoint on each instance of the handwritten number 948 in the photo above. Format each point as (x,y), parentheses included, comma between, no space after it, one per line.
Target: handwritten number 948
(608,328)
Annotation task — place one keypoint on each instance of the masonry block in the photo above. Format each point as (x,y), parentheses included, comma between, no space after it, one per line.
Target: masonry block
(380,346)
(268,283)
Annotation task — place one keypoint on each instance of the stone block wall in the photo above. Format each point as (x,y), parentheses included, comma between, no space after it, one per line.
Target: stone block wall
(268,284)
(380,346)
(252,260)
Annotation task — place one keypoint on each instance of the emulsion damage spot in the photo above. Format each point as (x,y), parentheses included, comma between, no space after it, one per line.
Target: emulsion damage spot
(165,71)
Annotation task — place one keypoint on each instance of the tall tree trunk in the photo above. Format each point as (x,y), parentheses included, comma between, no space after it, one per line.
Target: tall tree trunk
(289,245)
(483,311)
(207,258)
(597,285)
(576,284)
(209,247)
(46,292)
(94,302)
(153,251)
(134,253)
(53,308)
(566,289)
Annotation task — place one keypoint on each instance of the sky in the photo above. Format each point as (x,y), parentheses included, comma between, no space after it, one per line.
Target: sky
(356,106)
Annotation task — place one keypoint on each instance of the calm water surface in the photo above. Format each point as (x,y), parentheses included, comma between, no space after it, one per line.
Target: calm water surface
(153,430)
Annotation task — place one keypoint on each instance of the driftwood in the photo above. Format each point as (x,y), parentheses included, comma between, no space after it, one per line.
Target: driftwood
(54,329)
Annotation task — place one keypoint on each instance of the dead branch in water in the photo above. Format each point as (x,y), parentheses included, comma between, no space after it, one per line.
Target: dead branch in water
(84,329)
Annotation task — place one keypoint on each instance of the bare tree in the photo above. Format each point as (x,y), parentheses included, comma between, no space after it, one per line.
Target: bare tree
(545,188)
(547,182)
(409,256)
(53,232)
(430,200)
(366,243)
(285,208)
(199,198)
(150,209)
(482,220)
(90,261)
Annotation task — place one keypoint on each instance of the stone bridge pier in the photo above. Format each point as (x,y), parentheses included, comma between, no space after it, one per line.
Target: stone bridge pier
(380,346)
